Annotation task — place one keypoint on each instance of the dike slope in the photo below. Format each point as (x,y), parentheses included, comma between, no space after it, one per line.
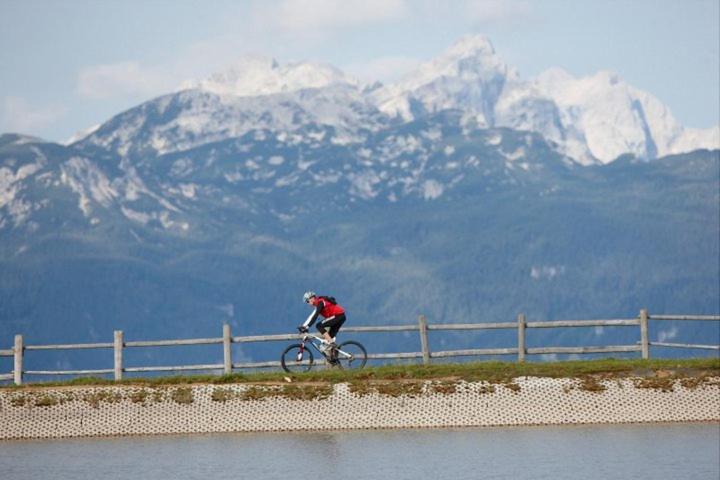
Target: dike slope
(85,411)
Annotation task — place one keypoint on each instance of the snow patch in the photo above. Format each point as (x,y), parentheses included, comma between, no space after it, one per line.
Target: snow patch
(10,182)
(434,134)
(286,181)
(362,184)
(135,216)
(305,164)
(188,189)
(228,309)
(255,75)
(181,167)
(512,156)
(233,177)
(345,139)
(431,189)
(88,181)
(317,136)
(667,334)
(494,139)
(548,272)
(452,165)
(81,135)
(364,153)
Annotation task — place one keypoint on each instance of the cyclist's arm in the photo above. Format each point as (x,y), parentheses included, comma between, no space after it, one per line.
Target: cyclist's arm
(313,316)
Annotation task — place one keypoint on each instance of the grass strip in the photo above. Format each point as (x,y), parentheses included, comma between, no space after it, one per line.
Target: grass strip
(492,372)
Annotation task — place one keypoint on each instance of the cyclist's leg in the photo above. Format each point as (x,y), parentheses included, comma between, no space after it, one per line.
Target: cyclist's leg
(336,324)
(322,327)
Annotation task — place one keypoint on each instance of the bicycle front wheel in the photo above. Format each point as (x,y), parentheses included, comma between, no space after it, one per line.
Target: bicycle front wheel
(351,355)
(296,359)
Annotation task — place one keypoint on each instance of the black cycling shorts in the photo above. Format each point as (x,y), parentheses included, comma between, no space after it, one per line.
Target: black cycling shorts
(332,323)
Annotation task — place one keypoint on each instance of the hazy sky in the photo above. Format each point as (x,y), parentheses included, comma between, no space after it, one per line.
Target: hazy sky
(68,65)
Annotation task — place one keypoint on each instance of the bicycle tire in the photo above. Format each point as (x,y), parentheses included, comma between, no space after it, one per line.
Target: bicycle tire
(358,355)
(289,361)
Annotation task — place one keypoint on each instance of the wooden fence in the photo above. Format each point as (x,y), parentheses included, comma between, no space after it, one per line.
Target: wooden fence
(422,327)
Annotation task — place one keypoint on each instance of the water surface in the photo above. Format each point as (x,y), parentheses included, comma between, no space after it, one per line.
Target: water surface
(675,451)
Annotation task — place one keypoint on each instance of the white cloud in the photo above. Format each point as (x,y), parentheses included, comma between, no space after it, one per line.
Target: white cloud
(496,11)
(122,79)
(17,115)
(331,14)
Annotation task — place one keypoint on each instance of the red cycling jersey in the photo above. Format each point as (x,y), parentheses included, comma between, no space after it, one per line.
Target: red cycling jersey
(329,309)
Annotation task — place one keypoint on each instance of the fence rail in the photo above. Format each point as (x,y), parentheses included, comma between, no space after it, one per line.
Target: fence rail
(685,345)
(72,346)
(684,317)
(422,327)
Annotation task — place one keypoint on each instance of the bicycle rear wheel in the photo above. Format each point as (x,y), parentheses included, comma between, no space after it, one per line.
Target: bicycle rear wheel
(296,359)
(351,355)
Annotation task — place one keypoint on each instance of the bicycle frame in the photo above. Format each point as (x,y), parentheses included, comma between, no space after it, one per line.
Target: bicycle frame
(315,341)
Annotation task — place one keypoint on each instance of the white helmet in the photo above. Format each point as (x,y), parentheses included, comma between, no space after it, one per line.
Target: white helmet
(308,295)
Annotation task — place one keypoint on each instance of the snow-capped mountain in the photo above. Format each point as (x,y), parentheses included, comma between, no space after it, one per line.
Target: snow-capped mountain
(254,76)
(591,119)
(597,118)
(469,76)
(259,169)
(615,118)
(194,117)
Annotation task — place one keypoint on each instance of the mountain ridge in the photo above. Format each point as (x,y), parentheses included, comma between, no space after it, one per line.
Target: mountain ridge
(593,119)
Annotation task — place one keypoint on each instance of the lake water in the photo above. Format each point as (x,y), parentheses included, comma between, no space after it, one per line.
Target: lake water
(676,451)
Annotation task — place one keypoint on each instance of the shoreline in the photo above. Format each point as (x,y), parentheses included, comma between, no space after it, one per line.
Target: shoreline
(122,411)
(360,431)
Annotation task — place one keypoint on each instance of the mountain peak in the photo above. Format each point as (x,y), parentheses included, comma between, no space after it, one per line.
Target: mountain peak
(258,75)
(609,77)
(471,45)
(471,56)
(469,75)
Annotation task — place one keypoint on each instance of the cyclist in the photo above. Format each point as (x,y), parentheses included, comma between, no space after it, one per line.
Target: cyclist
(334,317)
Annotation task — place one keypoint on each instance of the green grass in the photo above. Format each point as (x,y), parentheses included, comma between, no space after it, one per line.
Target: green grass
(493,372)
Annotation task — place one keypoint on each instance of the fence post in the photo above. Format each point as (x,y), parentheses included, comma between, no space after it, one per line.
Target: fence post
(644,347)
(521,337)
(118,347)
(422,322)
(227,350)
(18,351)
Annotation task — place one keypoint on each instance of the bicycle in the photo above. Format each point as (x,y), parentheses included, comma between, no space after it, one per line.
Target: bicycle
(299,358)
